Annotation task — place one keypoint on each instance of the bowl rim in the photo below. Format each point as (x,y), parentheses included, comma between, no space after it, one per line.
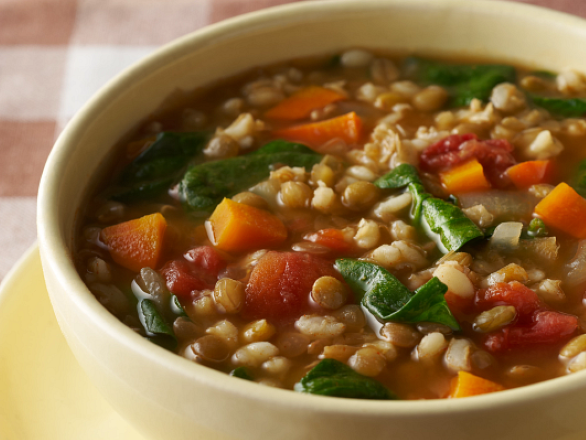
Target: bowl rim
(57,256)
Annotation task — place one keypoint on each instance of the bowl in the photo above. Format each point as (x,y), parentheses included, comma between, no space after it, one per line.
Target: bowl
(165,396)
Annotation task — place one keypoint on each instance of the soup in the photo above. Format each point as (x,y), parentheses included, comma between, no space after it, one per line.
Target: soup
(358,225)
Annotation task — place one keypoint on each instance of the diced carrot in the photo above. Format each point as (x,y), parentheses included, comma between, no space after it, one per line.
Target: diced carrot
(301,104)
(136,243)
(331,238)
(464,178)
(532,172)
(347,127)
(466,385)
(564,209)
(238,227)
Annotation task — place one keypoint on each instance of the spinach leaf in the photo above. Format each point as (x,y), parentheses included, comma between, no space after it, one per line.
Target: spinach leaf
(241,373)
(544,74)
(159,166)
(579,182)
(333,378)
(389,300)
(463,82)
(176,306)
(281,146)
(400,177)
(566,107)
(449,222)
(442,217)
(204,186)
(153,322)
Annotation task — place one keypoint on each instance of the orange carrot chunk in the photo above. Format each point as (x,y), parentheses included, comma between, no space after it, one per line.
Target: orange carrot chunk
(466,385)
(237,227)
(532,172)
(301,104)
(564,209)
(464,178)
(347,127)
(136,243)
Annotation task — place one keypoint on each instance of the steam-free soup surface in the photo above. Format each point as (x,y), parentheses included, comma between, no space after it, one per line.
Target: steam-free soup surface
(357,225)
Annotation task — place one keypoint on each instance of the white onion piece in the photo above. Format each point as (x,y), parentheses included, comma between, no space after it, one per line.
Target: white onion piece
(577,266)
(507,235)
(504,205)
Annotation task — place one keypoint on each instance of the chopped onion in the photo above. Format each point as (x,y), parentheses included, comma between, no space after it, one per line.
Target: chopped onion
(544,248)
(507,235)
(504,205)
(577,266)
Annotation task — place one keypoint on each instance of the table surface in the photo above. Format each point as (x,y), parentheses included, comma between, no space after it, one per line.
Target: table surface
(54,54)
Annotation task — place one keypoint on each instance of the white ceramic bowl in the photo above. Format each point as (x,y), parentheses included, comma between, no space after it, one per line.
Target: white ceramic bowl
(167,397)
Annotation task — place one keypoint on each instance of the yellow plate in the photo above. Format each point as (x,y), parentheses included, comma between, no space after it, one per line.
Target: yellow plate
(44,394)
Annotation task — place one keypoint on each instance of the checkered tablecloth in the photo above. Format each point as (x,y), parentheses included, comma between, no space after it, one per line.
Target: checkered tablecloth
(54,54)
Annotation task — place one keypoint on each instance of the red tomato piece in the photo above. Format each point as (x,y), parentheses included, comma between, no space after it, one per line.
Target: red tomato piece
(494,155)
(548,328)
(525,300)
(331,238)
(206,258)
(198,271)
(280,285)
(181,280)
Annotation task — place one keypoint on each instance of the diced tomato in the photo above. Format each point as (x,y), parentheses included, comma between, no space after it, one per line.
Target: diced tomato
(331,238)
(534,326)
(206,258)
(280,285)
(459,306)
(494,155)
(525,300)
(197,271)
(548,328)
(180,278)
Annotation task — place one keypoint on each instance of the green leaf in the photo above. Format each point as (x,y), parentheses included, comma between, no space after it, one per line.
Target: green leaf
(389,300)
(450,223)
(152,321)
(157,168)
(241,373)
(282,146)
(544,74)
(464,82)
(442,217)
(566,107)
(176,306)
(333,378)
(579,182)
(400,177)
(205,185)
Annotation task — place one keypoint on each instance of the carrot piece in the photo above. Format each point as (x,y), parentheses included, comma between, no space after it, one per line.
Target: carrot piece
(301,104)
(463,178)
(331,238)
(564,209)
(530,173)
(347,127)
(238,227)
(466,385)
(136,243)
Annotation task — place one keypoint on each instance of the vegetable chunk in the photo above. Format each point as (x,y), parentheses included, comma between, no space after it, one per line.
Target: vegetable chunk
(466,385)
(532,172)
(237,227)
(467,177)
(301,104)
(347,127)
(280,285)
(564,209)
(136,243)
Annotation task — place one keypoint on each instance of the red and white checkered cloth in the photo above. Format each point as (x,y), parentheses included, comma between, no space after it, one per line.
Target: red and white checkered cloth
(54,54)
